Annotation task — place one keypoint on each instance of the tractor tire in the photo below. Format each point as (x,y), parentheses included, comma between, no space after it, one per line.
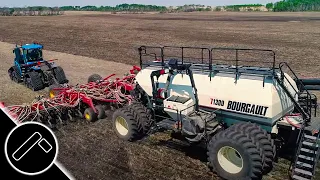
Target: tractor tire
(264,142)
(125,125)
(142,116)
(60,75)
(90,115)
(234,155)
(101,111)
(94,78)
(33,81)
(53,93)
(14,74)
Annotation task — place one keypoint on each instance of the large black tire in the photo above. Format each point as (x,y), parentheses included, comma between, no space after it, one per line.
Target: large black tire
(144,120)
(94,78)
(33,81)
(125,125)
(101,111)
(263,140)
(14,74)
(60,75)
(227,141)
(90,115)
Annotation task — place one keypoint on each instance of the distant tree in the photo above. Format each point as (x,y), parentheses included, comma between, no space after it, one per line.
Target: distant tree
(269,6)
(218,8)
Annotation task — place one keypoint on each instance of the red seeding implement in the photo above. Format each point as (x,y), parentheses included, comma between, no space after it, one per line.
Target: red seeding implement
(66,102)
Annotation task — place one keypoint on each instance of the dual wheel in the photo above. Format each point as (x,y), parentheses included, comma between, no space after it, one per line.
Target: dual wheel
(243,151)
(131,122)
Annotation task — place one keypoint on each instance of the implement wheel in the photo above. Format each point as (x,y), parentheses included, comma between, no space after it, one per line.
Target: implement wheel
(233,155)
(53,93)
(94,78)
(125,125)
(143,117)
(101,111)
(263,141)
(90,115)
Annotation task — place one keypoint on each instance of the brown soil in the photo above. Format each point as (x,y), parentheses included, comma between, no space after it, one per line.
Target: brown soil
(92,151)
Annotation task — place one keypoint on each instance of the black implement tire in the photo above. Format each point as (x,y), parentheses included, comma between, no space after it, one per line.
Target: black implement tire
(60,75)
(143,117)
(53,93)
(125,125)
(230,142)
(94,78)
(90,115)
(101,111)
(263,140)
(33,81)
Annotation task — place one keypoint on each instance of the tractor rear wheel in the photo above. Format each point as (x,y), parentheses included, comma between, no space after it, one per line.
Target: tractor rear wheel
(94,78)
(90,115)
(33,81)
(233,155)
(125,124)
(60,75)
(263,140)
(14,74)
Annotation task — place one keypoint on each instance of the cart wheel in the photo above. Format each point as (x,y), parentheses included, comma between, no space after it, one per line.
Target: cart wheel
(101,111)
(90,115)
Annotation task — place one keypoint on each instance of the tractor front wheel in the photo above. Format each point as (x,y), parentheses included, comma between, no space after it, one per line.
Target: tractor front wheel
(233,155)
(125,124)
(90,115)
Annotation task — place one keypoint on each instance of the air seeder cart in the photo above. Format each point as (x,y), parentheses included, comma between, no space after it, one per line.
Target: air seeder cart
(246,115)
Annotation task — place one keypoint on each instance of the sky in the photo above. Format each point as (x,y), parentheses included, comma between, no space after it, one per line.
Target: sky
(50,3)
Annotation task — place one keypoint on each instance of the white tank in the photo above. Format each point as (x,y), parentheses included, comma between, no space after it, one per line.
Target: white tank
(251,94)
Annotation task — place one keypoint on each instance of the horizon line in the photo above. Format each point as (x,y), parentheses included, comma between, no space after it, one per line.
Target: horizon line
(131,4)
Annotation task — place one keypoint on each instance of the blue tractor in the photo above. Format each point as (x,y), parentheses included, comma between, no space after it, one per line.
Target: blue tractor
(32,70)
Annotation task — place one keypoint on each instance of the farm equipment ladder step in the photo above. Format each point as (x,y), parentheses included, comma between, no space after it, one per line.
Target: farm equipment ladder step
(307,157)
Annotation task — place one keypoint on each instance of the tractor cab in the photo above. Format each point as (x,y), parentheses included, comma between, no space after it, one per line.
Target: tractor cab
(28,53)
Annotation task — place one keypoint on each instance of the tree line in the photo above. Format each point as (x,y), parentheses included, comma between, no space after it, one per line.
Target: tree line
(120,7)
(30,11)
(238,7)
(294,5)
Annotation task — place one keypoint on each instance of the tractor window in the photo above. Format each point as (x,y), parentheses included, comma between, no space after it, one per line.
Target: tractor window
(34,54)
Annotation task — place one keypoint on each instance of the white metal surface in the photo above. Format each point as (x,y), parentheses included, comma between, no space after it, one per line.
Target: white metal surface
(172,108)
(250,94)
